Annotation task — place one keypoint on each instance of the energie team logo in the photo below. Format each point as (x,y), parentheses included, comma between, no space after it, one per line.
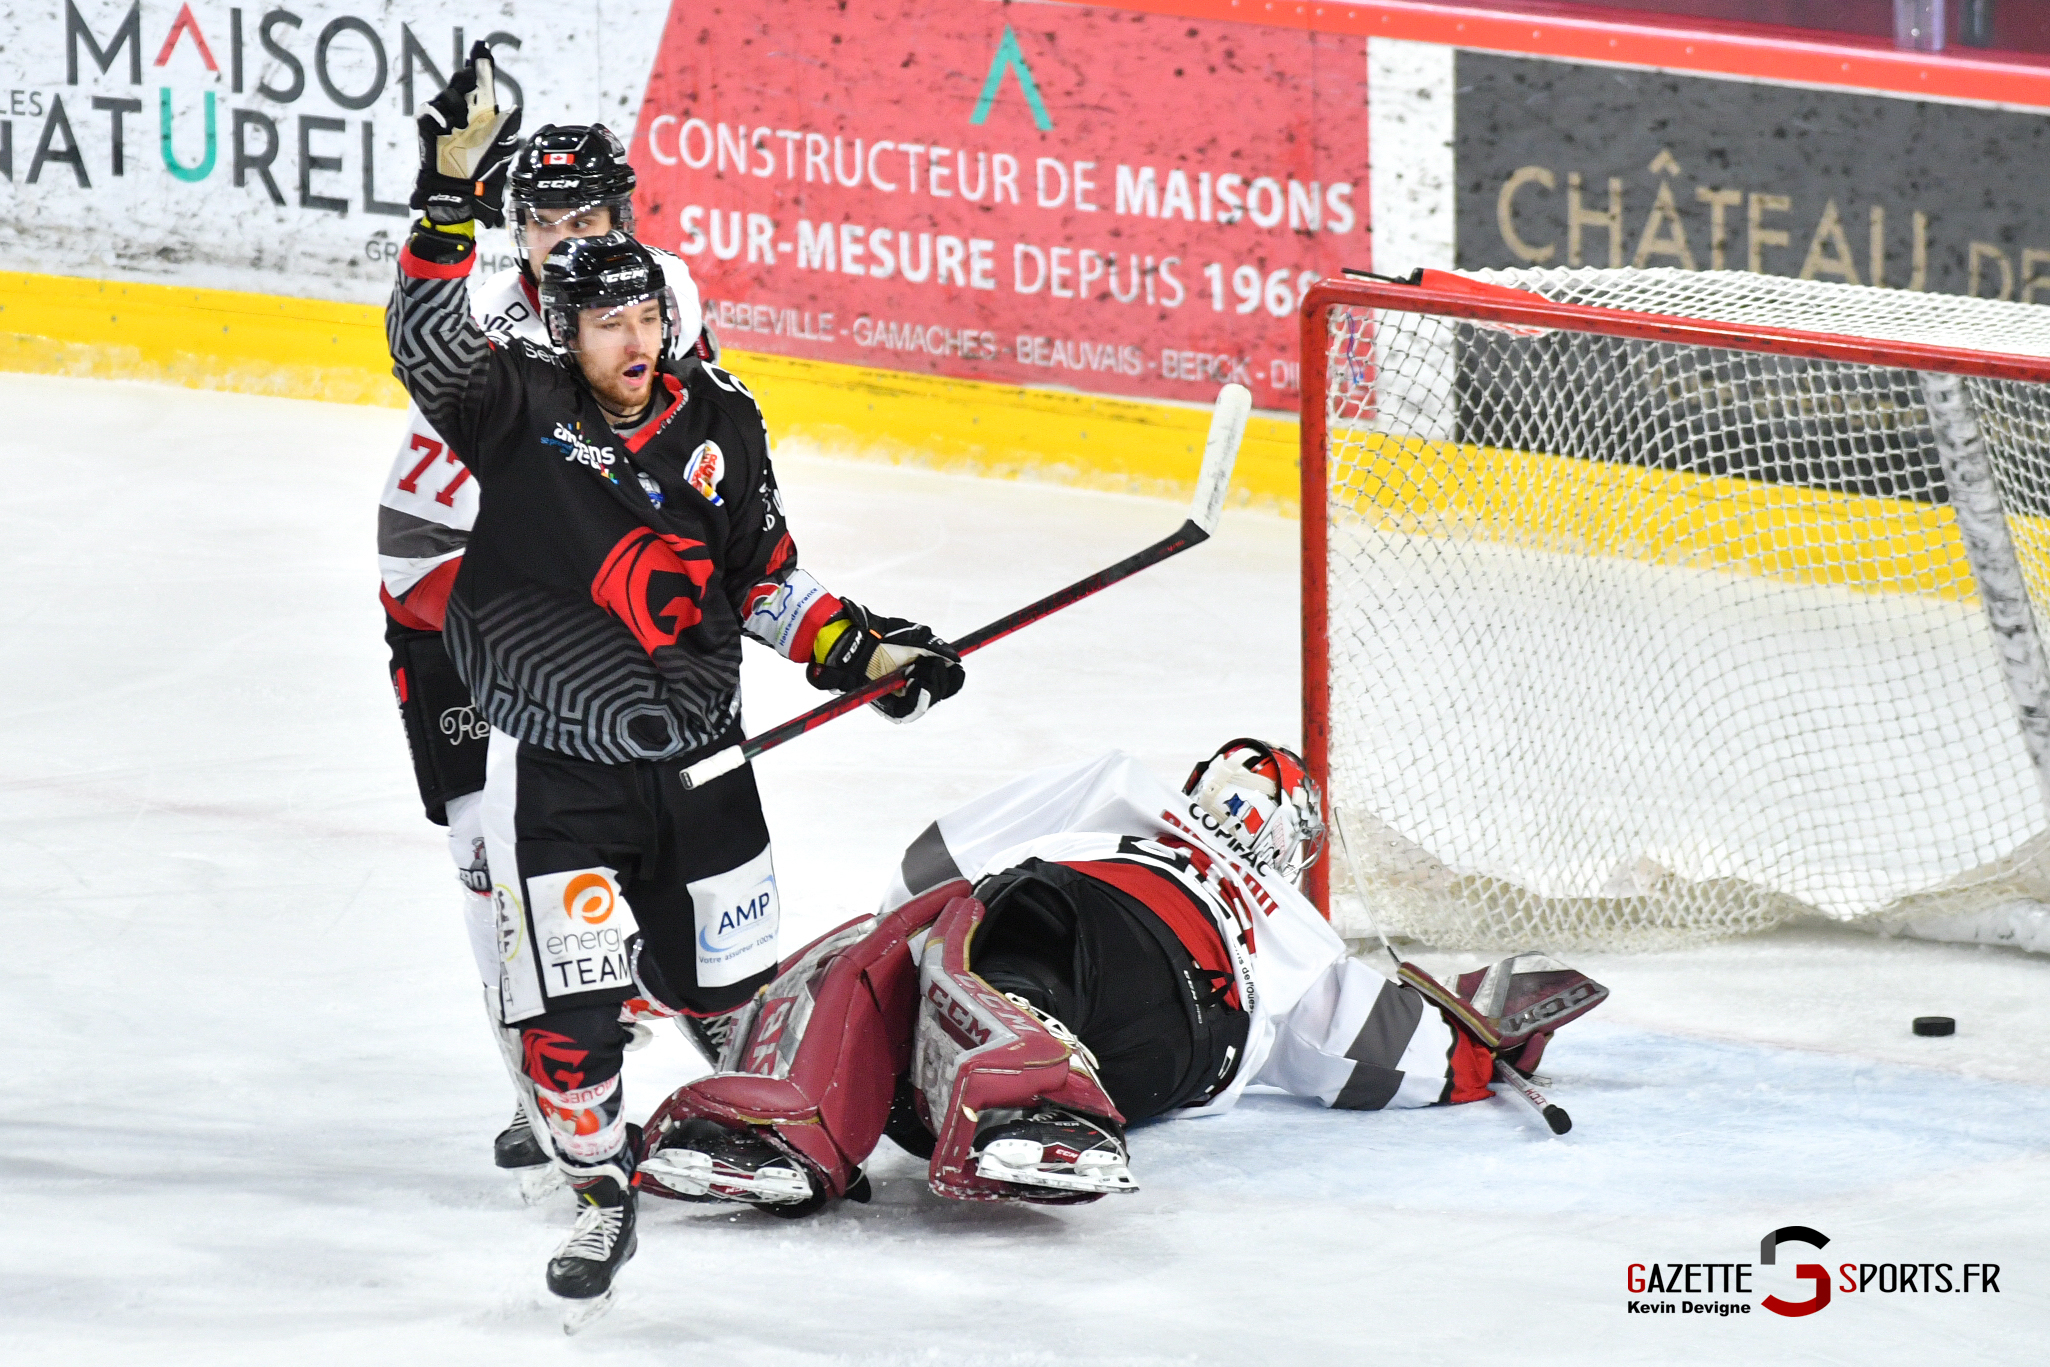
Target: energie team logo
(589,898)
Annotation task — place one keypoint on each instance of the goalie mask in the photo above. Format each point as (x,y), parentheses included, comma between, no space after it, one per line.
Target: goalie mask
(1261,801)
(610,272)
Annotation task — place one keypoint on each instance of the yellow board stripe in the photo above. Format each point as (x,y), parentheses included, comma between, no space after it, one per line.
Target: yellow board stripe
(204,339)
(316,349)
(1557,503)
(319,349)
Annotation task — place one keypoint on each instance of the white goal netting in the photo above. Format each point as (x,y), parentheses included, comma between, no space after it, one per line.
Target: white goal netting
(1633,643)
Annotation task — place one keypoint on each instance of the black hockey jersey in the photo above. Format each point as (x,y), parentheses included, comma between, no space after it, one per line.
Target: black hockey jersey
(599,605)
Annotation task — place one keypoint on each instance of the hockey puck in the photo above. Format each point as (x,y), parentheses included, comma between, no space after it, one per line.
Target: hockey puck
(1935,1025)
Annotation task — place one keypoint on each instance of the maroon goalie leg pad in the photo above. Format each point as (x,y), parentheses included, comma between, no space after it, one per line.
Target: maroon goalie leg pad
(977,1052)
(821,1048)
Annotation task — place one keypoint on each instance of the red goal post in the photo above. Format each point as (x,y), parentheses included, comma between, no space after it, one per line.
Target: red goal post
(1850,459)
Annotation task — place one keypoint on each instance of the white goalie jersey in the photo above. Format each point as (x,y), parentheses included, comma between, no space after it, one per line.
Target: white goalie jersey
(1322,1023)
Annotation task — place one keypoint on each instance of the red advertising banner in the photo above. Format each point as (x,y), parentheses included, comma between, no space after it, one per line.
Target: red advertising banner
(1114,202)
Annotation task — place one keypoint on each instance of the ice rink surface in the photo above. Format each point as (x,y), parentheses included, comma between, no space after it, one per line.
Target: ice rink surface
(251,1093)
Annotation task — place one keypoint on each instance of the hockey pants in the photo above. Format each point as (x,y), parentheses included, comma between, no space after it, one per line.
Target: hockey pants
(613,881)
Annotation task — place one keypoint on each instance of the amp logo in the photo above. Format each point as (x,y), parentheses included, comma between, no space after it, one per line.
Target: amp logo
(744,915)
(737,922)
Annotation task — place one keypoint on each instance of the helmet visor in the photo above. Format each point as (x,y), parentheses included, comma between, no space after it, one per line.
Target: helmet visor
(570,330)
(536,228)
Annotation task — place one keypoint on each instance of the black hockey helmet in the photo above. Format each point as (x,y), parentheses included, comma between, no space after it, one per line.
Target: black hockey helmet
(1260,799)
(611,271)
(567,167)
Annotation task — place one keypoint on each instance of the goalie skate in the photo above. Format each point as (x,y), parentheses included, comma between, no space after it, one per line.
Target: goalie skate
(702,1160)
(1052,1147)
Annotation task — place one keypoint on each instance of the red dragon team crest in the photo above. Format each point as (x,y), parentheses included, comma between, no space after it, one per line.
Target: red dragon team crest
(653,582)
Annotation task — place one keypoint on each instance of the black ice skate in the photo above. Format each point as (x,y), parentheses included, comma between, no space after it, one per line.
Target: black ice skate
(702,1160)
(1053,1147)
(583,1268)
(515,1146)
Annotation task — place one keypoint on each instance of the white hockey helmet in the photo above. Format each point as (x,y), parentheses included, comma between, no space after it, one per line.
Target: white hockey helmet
(1262,802)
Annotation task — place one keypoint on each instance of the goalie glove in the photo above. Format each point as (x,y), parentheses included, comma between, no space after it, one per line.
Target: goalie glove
(1507,1011)
(466,147)
(858,646)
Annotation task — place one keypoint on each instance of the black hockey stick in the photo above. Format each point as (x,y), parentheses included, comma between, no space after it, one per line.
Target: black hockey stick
(1220,451)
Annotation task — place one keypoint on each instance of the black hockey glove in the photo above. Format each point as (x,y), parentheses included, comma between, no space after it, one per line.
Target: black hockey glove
(466,148)
(868,647)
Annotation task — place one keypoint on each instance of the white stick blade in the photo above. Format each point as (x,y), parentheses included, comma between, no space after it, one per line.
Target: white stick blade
(1220,452)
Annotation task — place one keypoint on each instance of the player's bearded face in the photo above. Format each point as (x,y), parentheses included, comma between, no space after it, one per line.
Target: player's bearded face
(617,349)
(543,228)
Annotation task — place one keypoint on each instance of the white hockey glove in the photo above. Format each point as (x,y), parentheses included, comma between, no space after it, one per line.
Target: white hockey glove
(466,148)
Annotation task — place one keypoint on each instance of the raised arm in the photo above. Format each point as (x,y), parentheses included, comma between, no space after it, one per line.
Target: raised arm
(466,145)
(438,352)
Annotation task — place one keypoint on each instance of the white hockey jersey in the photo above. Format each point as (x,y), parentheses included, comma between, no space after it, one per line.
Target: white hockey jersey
(1322,1023)
(429,503)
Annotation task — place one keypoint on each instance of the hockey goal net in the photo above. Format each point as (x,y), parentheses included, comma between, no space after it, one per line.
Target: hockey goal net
(1642,607)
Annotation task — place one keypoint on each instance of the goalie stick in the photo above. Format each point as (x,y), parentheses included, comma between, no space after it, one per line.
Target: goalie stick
(1553,1117)
(1556,1120)
(1220,451)
(1352,869)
